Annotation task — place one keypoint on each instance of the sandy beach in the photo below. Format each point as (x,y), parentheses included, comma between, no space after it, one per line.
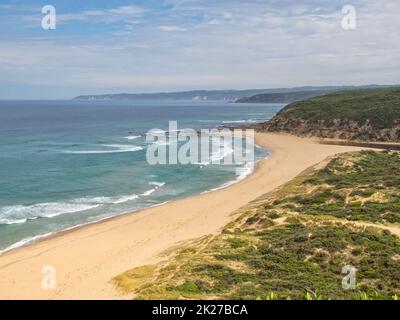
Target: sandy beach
(87,258)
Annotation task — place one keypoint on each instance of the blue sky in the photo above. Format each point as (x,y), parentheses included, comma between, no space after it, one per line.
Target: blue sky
(145,46)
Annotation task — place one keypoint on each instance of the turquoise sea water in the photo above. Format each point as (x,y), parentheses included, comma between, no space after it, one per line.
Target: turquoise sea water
(68,163)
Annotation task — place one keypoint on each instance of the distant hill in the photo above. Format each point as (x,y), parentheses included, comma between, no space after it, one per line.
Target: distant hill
(367,115)
(202,95)
(282,97)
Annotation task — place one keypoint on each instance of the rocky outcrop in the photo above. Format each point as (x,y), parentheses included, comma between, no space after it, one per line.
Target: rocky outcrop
(336,129)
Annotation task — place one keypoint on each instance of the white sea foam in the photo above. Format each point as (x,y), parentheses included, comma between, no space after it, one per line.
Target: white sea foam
(157,186)
(225,149)
(252,120)
(220,151)
(235,121)
(12,221)
(155,183)
(132,137)
(21,213)
(241,173)
(148,192)
(25,241)
(161,143)
(156,132)
(123,199)
(244,171)
(38,237)
(115,148)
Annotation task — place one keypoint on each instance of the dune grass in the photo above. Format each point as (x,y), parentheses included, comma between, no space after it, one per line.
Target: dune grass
(379,106)
(294,242)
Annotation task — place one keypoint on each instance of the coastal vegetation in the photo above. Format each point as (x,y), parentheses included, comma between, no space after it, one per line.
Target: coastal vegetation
(367,115)
(293,243)
(282,97)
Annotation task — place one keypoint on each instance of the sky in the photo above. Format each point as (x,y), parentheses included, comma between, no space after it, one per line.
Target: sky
(101,46)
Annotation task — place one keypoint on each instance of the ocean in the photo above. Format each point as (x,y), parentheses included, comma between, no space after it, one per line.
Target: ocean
(68,163)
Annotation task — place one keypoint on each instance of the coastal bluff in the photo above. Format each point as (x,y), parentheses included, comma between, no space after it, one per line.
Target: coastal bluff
(359,115)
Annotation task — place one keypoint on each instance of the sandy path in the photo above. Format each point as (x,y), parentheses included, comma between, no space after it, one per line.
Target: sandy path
(87,258)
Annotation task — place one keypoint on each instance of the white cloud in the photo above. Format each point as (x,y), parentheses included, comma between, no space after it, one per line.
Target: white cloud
(109,15)
(172,28)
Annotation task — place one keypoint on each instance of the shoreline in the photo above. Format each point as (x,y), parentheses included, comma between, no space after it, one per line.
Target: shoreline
(87,257)
(43,237)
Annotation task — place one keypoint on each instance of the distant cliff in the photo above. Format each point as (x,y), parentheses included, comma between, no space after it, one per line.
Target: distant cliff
(366,115)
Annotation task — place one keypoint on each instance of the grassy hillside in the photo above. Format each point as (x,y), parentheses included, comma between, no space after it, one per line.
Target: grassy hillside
(369,114)
(282,97)
(294,242)
(380,106)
